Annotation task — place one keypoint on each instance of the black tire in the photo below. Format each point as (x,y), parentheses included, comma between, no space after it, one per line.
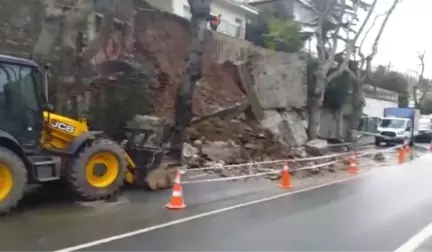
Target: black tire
(411,142)
(19,175)
(377,141)
(76,174)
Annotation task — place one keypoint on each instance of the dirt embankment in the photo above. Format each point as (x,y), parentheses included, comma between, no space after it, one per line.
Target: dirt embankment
(165,39)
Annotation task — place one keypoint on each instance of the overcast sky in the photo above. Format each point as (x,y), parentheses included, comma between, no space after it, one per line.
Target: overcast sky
(406,33)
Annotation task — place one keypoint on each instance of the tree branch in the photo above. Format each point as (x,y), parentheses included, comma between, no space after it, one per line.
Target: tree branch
(336,35)
(420,80)
(360,53)
(381,30)
(370,57)
(350,46)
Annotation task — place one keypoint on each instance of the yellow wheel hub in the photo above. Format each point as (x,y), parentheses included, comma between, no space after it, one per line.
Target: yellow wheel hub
(102,169)
(6,181)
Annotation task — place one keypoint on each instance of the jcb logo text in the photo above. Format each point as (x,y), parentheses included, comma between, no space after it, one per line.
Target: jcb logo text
(62,126)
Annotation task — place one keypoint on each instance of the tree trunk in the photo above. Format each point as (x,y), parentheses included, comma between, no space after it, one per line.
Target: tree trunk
(50,32)
(415,98)
(315,99)
(339,124)
(183,114)
(357,110)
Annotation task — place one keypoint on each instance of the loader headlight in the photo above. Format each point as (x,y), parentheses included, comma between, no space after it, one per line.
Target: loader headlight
(400,133)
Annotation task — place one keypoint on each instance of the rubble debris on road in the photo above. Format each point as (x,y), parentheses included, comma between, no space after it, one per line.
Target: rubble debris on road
(379,157)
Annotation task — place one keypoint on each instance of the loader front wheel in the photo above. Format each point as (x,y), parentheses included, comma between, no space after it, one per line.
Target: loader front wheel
(13,179)
(98,171)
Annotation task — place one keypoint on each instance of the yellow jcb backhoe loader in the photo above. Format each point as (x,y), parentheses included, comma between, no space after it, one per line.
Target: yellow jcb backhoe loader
(38,146)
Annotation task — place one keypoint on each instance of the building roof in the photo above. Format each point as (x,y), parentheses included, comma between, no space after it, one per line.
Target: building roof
(258,2)
(245,7)
(16,60)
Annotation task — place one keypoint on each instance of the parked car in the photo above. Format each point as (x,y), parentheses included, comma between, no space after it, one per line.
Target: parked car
(425,129)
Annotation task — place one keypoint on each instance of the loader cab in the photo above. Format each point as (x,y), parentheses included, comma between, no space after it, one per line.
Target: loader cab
(21,100)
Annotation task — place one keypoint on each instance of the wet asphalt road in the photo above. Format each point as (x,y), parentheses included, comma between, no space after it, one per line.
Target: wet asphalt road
(373,213)
(377,212)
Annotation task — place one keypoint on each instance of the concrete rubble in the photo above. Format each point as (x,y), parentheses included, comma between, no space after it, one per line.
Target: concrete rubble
(286,126)
(228,151)
(317,147)
(379,157)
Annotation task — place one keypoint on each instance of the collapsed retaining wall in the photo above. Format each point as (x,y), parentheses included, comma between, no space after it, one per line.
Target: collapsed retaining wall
(157,50)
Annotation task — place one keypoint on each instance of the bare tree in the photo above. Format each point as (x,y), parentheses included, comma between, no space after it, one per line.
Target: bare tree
(62,21)
(333,16)
(362,75)
(200,10)
(63,26)
(421,83)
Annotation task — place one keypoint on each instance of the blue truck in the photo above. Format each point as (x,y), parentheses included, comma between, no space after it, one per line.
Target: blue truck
(398,125)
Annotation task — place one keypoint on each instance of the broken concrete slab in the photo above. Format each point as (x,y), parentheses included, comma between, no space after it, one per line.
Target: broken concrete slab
(295,131)
(317,147)
(287,127)
(247,84)
(191,155)
(279,79)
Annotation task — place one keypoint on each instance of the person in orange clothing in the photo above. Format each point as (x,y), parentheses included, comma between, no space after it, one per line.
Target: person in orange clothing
(215,21)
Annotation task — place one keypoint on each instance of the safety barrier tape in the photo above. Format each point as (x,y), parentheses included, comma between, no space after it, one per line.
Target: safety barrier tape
(257,174)
(275,171)
(315,166)
(384,150)
(221,166)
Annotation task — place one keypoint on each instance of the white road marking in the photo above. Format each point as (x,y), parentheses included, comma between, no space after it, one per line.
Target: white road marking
(416,240)
(213,212)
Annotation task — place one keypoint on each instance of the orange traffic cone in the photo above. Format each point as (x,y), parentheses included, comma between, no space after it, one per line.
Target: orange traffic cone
(285,177)
(353,164)
(176,201)
(401,155)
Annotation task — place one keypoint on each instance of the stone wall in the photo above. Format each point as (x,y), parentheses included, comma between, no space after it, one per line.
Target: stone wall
(276,87)
(328,124)
(279,79)
(229,48)
(19,26)
(164,5)
(274,83)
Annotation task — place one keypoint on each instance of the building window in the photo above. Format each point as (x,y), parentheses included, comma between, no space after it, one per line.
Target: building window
(186,11)
(239,27)
(99,18)
(118,24)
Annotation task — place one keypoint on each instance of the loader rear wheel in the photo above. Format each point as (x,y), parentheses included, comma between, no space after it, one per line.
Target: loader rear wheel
(13,179)
(98,171)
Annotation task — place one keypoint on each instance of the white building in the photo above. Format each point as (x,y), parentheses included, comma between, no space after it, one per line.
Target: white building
(298,9)
(234,14)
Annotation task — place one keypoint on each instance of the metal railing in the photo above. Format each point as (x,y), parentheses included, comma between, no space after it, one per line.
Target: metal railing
(228,28)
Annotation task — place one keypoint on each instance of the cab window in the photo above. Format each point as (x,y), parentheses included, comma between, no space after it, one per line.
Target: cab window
(17,91)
